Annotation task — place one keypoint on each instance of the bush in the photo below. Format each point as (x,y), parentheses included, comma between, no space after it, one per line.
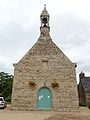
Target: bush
(6,82)
(8,99)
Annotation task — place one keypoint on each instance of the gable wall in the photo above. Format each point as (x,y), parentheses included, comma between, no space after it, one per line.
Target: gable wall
(45,70)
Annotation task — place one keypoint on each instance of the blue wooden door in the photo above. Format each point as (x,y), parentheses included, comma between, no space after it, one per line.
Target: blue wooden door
(44,99)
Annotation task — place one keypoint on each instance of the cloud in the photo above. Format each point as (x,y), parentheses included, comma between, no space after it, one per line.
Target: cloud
(15,42)
(77,7)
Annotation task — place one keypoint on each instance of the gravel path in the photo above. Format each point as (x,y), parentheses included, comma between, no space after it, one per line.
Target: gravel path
(84,114)
(68,116)
(24,115)
(41,115)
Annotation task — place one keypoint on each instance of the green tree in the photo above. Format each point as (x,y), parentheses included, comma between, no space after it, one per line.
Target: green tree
(6,82)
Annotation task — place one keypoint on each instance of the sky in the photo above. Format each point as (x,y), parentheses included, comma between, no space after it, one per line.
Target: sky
(69,29)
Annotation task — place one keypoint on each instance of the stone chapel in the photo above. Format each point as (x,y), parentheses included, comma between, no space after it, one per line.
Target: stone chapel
(45,79)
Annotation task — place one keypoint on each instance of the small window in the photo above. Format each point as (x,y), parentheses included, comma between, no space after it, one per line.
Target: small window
(45,63)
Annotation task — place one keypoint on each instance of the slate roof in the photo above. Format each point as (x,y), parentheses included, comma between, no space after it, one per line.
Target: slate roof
(86,84)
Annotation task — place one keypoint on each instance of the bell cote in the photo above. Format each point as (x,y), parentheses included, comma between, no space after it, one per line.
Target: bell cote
(44,17)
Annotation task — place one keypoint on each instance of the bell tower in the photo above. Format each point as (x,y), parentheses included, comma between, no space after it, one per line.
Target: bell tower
(44,17)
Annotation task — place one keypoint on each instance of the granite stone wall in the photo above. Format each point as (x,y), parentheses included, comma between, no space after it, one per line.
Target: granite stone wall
(45,70)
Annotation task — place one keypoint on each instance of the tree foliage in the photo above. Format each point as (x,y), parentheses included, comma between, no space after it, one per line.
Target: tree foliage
(6,82)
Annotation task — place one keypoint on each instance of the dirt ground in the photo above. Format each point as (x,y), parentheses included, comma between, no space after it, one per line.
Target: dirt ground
(84,114)
(34,115)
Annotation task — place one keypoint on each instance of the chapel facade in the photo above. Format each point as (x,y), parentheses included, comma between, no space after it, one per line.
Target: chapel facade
(45,79)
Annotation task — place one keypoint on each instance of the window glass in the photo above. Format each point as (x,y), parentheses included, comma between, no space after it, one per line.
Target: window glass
(1,99)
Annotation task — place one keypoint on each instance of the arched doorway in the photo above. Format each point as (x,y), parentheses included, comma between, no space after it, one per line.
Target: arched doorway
(44,101)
